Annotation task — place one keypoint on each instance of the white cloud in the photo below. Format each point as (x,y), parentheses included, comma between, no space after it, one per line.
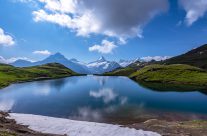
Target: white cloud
(157,58)
(64,6)
(24,1)
(82,24)
(115,18)
(5,40)
(13,59)
(195,9)
(60,19)
(43,52)
(105,47)
(32,3)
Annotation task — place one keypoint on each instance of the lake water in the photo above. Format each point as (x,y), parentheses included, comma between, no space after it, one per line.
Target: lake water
(101,99)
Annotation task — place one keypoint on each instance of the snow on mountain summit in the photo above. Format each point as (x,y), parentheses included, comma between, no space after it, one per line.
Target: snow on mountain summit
(102,65)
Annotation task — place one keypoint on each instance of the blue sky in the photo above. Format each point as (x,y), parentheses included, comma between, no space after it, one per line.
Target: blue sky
(35,28)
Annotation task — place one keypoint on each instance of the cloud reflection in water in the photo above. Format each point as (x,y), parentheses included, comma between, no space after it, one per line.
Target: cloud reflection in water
(106,94)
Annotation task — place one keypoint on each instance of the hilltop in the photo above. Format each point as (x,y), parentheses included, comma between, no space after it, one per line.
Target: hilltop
(10,74)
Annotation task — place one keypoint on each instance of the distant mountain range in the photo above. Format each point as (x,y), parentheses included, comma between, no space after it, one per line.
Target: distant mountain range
(196,57)
(96,67)
(125,63)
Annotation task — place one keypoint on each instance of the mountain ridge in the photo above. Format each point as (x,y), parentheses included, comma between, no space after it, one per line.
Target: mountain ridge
(98,66)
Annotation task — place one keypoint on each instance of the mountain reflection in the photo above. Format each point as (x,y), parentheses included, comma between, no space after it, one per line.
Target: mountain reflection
(101,80)
(6,104)
(96,98)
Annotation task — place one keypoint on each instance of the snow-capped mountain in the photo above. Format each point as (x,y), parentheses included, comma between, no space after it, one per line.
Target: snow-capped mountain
(125,63)
(102,65)
(96,67)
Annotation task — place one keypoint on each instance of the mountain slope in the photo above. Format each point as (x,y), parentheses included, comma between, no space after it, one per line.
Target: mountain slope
(22,63)
(196,57)
(126,71)
(55,58)
(59,58)
(125,63)
(10,74)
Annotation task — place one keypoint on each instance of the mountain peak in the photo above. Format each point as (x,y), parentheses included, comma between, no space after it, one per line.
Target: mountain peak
(57,55)
(102,59)
(73,59)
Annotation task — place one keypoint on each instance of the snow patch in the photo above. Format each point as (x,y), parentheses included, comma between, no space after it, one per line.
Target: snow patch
(75,128)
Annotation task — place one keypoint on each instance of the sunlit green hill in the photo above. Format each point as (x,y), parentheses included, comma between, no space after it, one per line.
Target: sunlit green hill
(10,74)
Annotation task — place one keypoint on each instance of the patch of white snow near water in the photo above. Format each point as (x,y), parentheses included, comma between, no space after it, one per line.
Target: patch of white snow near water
(62,126)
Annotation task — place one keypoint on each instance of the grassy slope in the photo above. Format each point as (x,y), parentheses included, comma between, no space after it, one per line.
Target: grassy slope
(179,74)
(178,77)
(121,72)
(129,69)
(10,74)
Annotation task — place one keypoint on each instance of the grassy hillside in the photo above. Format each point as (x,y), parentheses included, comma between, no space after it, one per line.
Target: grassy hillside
(196,57)
(129,69)
(120,72)
(176,74)
(10,74)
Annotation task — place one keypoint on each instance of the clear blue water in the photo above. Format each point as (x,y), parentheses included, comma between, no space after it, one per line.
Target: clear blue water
(96,98)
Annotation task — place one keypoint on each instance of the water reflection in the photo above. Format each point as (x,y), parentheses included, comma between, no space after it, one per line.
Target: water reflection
(107,94)
(96,98)
(6,104)
(87,113)
(44,90)
(123,100)
(101,80)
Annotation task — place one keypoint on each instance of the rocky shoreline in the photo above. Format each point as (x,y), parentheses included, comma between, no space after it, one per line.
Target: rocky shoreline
(173,128)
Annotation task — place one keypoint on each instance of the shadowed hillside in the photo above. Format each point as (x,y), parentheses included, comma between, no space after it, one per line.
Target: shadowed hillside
(196,57)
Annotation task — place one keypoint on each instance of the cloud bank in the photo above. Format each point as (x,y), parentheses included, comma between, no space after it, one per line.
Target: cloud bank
(5,39)
(115,18)
(195,9)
